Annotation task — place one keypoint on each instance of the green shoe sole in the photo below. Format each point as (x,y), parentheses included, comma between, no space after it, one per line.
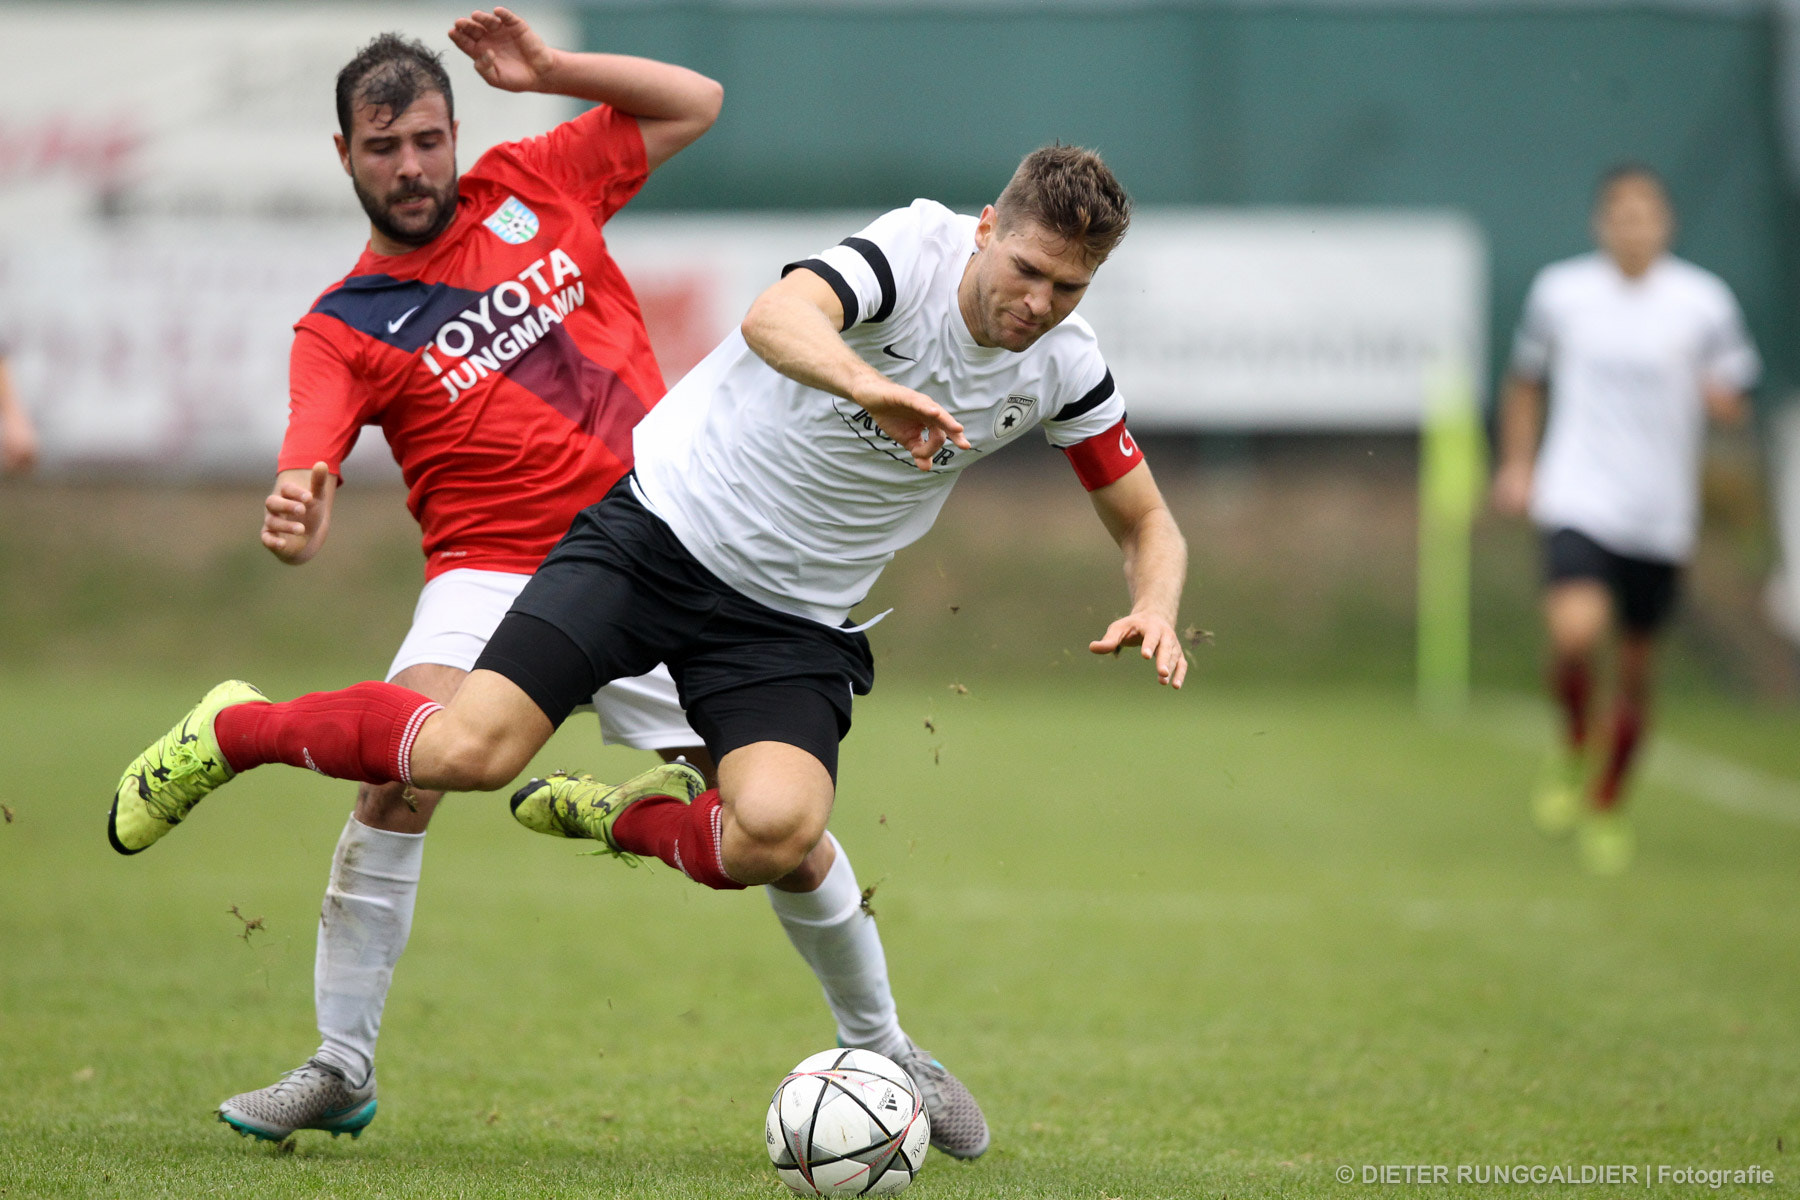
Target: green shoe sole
(352,1123)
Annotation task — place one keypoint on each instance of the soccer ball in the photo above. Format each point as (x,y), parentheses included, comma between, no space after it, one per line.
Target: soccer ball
(847,1123)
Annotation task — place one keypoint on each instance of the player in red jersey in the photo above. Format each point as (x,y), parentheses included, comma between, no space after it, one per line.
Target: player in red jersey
(490,335)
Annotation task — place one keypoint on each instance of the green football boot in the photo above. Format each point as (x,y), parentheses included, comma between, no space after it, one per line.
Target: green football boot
(1606,842)
(162,785)
(1556,798)
(576,806)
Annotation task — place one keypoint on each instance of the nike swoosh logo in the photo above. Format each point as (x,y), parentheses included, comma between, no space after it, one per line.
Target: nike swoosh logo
(893,353)
(395,324)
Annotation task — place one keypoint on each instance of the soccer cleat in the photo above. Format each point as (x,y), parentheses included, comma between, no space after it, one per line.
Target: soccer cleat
(957,1126)
(1556,800)
(1606,842)
(576,806)
(311,1096)
(162,785)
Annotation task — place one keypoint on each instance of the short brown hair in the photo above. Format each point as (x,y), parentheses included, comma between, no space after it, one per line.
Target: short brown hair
(1070,192)
(389,74)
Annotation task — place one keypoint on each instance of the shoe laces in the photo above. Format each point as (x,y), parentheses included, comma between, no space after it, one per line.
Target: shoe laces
(174,767)
(926,1071)
(565,811)
(299,1076)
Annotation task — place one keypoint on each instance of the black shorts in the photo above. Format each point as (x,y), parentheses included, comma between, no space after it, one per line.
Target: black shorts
(1643,590)
(620,594)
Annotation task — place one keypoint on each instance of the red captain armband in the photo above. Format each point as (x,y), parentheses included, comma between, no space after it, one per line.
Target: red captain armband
(1105,457)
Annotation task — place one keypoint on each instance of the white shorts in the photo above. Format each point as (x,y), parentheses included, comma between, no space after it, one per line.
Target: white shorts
(459,611)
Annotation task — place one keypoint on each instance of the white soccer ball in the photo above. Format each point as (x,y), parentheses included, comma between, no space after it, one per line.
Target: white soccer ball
(847,1123)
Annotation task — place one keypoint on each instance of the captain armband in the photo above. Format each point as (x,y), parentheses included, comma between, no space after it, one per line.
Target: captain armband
(1105,457)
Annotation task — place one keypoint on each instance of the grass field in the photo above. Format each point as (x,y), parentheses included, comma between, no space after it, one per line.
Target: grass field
(1225,943)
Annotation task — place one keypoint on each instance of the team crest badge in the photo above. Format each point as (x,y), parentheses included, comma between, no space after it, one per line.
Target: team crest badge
(513,223)
(1014,414)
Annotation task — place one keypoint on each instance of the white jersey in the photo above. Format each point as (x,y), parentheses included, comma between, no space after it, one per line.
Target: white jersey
(792,495)
(1626,360)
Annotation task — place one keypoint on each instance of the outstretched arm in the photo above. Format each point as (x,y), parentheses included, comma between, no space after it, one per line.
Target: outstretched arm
(794,328)
(1133,511)
(297,514)
(672,104)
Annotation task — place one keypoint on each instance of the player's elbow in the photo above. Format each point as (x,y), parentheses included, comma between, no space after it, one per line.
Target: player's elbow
(763,315)
(1155,525)
(701,110)
(709,101)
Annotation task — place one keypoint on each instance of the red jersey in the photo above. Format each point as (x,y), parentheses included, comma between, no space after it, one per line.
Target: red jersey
(506,361)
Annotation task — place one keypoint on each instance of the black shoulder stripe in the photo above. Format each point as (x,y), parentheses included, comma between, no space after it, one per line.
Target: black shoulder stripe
(1100,393)
(884,274)
(829,274)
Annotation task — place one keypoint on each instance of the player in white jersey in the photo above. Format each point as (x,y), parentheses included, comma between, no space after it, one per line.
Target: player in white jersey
(1636,349)
(787,470)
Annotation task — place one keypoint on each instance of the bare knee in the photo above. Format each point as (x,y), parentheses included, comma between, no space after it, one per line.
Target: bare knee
(810,874)
(395,807)
(772,845)
(776,799)
(1578,613)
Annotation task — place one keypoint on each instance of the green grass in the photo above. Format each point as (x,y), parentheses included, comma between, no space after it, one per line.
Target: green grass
(1220,943)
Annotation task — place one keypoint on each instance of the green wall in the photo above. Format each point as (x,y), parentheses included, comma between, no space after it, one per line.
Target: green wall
(1506,113)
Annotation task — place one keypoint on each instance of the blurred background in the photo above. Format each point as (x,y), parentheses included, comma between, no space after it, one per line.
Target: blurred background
(1342,204)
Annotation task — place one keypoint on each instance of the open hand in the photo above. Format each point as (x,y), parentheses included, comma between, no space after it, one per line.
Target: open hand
(506,51)
(1161,645)
(291,515)
(919,423)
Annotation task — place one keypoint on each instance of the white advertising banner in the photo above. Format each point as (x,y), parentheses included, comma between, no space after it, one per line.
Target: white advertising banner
(160,344)
(1290,320)
(1210,319)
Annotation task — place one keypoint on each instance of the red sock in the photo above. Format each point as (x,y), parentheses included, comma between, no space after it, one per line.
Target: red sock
(686,836)
(1627,732)
(1573,684)
(363,733)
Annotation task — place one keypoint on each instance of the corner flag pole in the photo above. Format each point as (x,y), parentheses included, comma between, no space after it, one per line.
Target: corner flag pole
(1450,473)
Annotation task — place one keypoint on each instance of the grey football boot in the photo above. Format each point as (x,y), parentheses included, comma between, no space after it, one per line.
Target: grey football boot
(957,1126)
(311,1096)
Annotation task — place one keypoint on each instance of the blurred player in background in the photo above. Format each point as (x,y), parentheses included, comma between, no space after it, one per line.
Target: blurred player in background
(18,439)
(1634,349)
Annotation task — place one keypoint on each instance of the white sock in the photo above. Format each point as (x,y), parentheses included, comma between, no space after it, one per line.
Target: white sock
(839,942)
(363,927)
